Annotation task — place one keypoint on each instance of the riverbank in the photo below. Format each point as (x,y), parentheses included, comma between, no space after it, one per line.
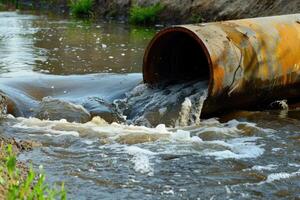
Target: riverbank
(173,11)
(17,180)
(17,147)
(193,11)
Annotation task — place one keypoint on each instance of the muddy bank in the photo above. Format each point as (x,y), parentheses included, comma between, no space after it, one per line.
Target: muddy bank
(176,11)
(192,11)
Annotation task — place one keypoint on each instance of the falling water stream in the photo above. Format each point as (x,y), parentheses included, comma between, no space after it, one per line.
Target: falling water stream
(76,87)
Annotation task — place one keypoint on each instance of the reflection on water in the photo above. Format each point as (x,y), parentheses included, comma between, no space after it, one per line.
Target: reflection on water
(31,43)
(16,44)
(56,70)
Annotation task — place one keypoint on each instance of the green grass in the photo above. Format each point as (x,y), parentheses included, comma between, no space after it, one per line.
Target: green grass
(145,15)
(195,18)
(2,7)
(81,8)
(29,187)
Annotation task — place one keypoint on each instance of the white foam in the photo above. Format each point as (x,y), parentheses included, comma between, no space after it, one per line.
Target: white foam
(230,129)
(264,168)
(134,150)
(161,128)
(294,165)
(236,123)
(168,192)
(238,148)
(96,125)
(276,149)
(181,135)
(113,132)
(141,159)
(280,176)
(61,133)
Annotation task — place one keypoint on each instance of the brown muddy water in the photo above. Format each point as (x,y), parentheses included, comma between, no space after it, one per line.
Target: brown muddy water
(76,87)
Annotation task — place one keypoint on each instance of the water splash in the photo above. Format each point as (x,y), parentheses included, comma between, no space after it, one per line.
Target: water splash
(186,107)
(191,109)
(173,105)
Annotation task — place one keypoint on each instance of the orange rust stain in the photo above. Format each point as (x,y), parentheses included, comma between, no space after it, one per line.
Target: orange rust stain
(263,41)
(288,51)
(218,74)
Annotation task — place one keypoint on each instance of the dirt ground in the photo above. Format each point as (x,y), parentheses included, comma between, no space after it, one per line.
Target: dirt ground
(177,11)
(193,11)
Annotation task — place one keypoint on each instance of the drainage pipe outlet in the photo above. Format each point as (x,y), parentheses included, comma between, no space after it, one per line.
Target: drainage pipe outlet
(248,63)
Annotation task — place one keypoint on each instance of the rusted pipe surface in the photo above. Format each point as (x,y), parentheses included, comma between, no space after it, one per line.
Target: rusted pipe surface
(248,62)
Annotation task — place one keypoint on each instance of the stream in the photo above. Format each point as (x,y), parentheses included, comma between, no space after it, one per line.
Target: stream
(76,87)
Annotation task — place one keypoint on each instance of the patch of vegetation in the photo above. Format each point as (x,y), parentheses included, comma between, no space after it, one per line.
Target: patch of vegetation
(81,8)
(145,15)
(8,1)
(2,7)
(196,19)
(6,4)
(15,185)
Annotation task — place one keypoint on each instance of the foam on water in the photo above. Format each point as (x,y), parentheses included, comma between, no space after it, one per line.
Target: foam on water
(97,126)
(238,147)
(264,168)
(141,159)
(294,165)
(184,136)
(281,176)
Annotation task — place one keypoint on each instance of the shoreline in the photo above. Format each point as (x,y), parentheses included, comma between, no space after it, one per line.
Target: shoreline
(173,12)
(17,148)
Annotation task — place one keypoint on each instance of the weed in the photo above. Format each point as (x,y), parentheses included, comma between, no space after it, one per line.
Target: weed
(2,7)
(145,15)
(81,8)
(31,187)
(195,18)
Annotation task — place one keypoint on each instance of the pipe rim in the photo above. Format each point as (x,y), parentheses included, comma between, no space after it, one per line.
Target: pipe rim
(190,33)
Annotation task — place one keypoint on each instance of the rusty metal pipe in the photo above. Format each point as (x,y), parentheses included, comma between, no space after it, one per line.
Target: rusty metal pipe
(248,63)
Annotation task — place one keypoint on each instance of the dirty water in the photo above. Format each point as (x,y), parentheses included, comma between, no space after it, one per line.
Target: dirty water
(76,87)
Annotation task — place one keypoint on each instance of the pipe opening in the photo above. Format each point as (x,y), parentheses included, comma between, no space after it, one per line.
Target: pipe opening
(176,55)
